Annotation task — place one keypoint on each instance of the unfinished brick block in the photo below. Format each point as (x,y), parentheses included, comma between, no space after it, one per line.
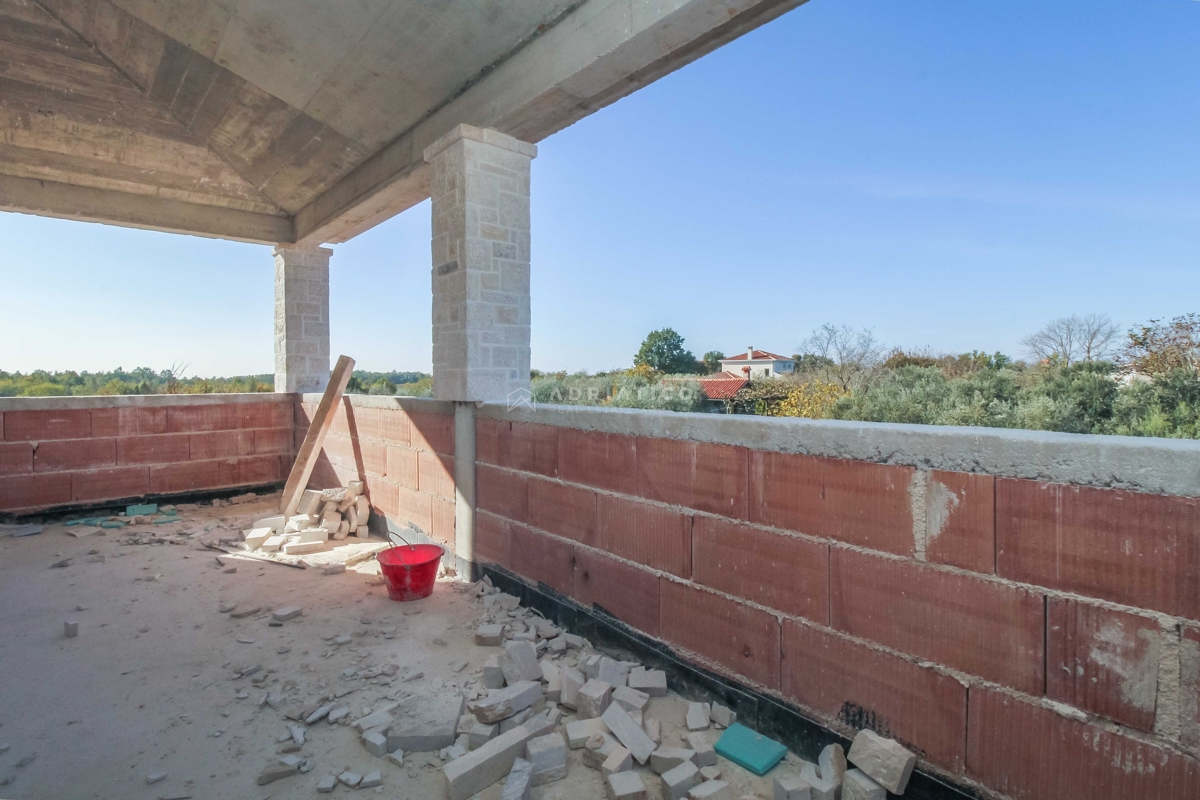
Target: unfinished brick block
(489,635)
(833,763)
(698,716)
(619,760)
(579,731)
(711,790)
(519,662)
(630,699)
(628,733)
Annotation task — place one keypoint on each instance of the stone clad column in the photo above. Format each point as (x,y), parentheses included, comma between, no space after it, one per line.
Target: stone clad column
(480,191)
(301,318)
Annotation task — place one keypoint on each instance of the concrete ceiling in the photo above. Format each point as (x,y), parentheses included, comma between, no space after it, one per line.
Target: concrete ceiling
(304,120)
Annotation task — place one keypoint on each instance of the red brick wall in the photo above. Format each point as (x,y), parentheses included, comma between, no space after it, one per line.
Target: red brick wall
(404,456)
(85,451)
(954,611)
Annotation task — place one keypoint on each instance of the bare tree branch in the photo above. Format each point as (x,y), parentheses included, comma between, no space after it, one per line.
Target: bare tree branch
(1070,339)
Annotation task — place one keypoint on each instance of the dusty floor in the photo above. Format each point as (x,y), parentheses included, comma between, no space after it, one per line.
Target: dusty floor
(150,683)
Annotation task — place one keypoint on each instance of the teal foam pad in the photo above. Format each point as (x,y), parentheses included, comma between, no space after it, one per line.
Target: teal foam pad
(140,510)
(748,749)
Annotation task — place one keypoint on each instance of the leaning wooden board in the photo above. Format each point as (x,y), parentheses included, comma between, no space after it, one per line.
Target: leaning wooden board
(310,451)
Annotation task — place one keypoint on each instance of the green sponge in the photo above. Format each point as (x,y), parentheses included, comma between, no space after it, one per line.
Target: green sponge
(748,749)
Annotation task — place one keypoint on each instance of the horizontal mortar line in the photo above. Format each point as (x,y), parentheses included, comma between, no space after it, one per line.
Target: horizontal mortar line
(932,565)
(968,680)
(838,434)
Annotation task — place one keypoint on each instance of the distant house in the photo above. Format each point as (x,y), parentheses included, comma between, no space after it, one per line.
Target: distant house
(754,364)
(737,372)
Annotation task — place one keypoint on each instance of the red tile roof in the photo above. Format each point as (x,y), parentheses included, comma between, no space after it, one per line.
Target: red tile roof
(722,386)
(759,354)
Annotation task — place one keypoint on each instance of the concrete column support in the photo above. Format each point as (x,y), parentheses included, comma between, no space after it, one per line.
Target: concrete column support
(480,191)
(301,319)
(464,489)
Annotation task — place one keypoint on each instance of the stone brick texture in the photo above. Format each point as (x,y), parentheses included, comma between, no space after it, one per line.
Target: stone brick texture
(998,627)
(405,459)
(52,457)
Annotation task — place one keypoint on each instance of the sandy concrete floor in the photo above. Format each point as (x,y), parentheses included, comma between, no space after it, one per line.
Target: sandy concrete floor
(150,684)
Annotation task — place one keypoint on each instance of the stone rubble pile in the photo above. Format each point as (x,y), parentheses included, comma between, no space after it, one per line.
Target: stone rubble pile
(322,516)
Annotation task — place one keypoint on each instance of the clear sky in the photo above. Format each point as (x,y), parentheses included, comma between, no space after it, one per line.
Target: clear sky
(950,174)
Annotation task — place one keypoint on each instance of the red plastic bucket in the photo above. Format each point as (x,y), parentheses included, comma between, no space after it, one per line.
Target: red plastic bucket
(410,570)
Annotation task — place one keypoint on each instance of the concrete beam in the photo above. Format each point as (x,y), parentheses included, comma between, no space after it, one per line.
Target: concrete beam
(90,204)
(601,52)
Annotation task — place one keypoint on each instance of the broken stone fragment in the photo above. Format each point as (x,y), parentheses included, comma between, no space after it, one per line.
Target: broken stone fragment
(593,699)
(371,780)
(630,699)
(833,763)
(698,718)
(571,681)
(579,731)
(820,788)
(70,629)
(857,785)
(517,785)
(706,755)
(519,662)
(619,760)
(628,733)
(598,748)
(351,779)
(489,635)
(327,784)
(625,786)
(155,777)
(711,790)
(286,613)
(722,716)
(885,761)
(548,755)
(679,780)
(665,759)
(653,682)
(503,703)
(277,771)
(376,742)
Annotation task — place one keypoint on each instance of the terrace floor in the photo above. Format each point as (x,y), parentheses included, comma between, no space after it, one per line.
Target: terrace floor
(150,683)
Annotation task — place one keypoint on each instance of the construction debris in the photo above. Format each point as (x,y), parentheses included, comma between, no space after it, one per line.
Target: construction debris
(885,761)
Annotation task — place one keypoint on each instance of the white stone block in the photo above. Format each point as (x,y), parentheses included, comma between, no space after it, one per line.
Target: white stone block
(792,787)
(886,761)
(665,759)
(698,718)
(519,662)
(711,790)
(680,779)
(820,789)
(503,703)
(548,755)
(700,743)
(857,785)
(833,763)
(579,731)
(625,786)
(593,699)
(630,699)
(628,733)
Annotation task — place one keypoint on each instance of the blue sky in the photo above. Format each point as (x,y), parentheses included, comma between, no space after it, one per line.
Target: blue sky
(950,174)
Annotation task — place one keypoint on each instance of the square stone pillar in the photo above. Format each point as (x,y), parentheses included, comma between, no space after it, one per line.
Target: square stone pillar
(480,191)
(301,318)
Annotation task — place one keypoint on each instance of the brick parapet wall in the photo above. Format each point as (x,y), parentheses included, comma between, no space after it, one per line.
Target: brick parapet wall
(1012,631)
(85,451)
(402,448)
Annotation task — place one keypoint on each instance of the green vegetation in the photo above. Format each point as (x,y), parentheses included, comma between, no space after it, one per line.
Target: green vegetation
(142,380)
(402,384)
(1082,379)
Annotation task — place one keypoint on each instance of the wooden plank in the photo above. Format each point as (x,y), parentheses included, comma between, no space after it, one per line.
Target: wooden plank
(306,459)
